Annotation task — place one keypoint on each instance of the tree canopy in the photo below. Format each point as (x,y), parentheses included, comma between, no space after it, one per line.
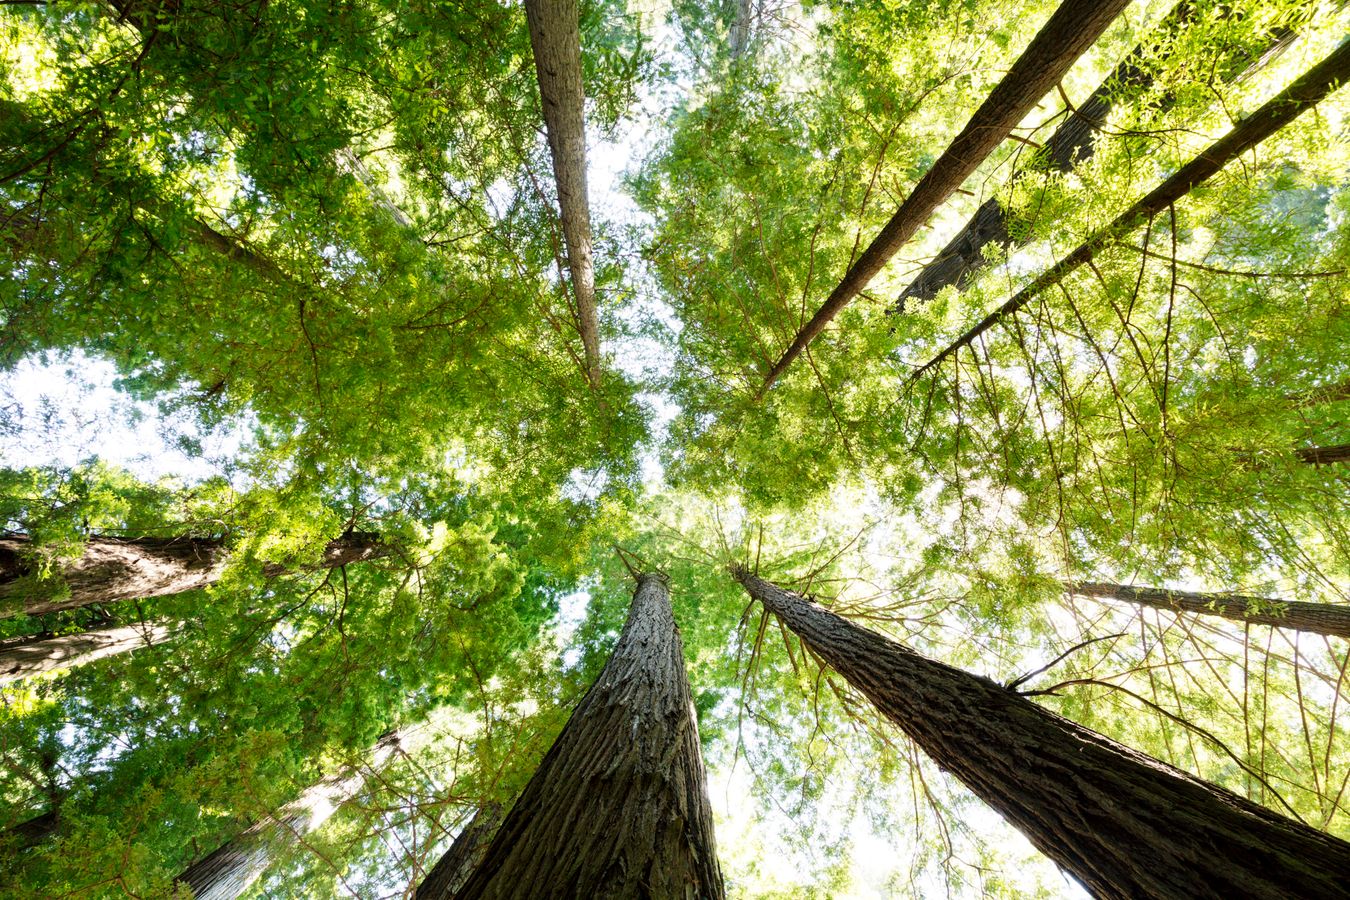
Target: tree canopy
(1013,332)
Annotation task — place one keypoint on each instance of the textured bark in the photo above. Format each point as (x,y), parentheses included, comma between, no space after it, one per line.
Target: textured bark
(1075,25)
(619,806)
(739,37)
(963,257)
(1302,95)
(24,660)
(464,856)
(231,869)
(1320,456)
(114,569)
(1317,618)
(555,37)
(1122,823)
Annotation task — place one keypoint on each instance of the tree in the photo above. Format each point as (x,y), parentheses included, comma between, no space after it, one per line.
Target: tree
(1071,30)
(111,569)
(229,870)
(1315,618)
(1121,823)
(556,41)
(464,856)
(35,657)
(629,756)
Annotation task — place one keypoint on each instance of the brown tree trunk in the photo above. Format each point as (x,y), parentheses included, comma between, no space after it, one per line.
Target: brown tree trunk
(34,657)
(464,856)
(555,37)
(619,806)
(1122,823)
(30,832)
(1316,618)
(1320,456)
(231,869)
(1302,95)
(963,257)
(1073,28)
(126,568)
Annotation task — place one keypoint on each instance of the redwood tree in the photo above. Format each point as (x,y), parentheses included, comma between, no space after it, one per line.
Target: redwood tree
(619,805)
(1124,824)
(24,658)
(1316,618)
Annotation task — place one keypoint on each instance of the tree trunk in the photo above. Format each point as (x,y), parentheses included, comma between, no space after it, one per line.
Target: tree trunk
(231,869)
(122,569)
(1073,28)
(30,832)
(1316,618)
(464,856)
(555,37)
(619,806)
(34,657)
(1302,95)
(1122,823)
(1320,456)
(963,257)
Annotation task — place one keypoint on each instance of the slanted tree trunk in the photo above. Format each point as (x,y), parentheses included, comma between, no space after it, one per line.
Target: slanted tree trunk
(30,832)
(34,657)
(1316,618)
(1073,28)
(126,568)
(231,869)
(1302,95)
(555,37)
(1072,142)
(1320,456)
(619,806)
(464,856)
(1122,823)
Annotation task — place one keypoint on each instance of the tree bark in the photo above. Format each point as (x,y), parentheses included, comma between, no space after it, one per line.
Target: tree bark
(1075,25)
(30,832)
(1316,618)
(963,257)
(464,856)
(231,869)
(555,37)
(114,569)
(1320,456)
(34,657)
(1302,95)
(619,805)
(1122,823)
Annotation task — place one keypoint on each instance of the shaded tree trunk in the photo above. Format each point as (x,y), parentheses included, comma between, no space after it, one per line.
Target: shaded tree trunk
(34,657)
(963,257)
(1073,28)
(464,856)
(231,869)
(30,832)
(1317,618)
(1302,95)
(1122,823)
(127,568)
(619,805)
(555,37)
(1319,456)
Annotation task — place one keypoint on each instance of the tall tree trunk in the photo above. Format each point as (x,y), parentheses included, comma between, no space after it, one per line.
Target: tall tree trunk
(1122,823)
(963,257)
(555,37)
(464,856)
(1302,95)
(619,806)
(1316,618)
(1073,28)
(34,657)
(126,568)
(1320,456)
(231,869)
(30,832)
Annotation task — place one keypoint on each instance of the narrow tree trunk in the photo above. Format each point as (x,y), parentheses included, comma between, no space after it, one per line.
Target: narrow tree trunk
(230,870)
(30,832)
(1122,823)
(555,37)
(1302,95)
(739,38)
(1073,28)
(126,568)
(963,257)
(1316,618)
(34,657)
(619,806)
(464,856)
(1320,456)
